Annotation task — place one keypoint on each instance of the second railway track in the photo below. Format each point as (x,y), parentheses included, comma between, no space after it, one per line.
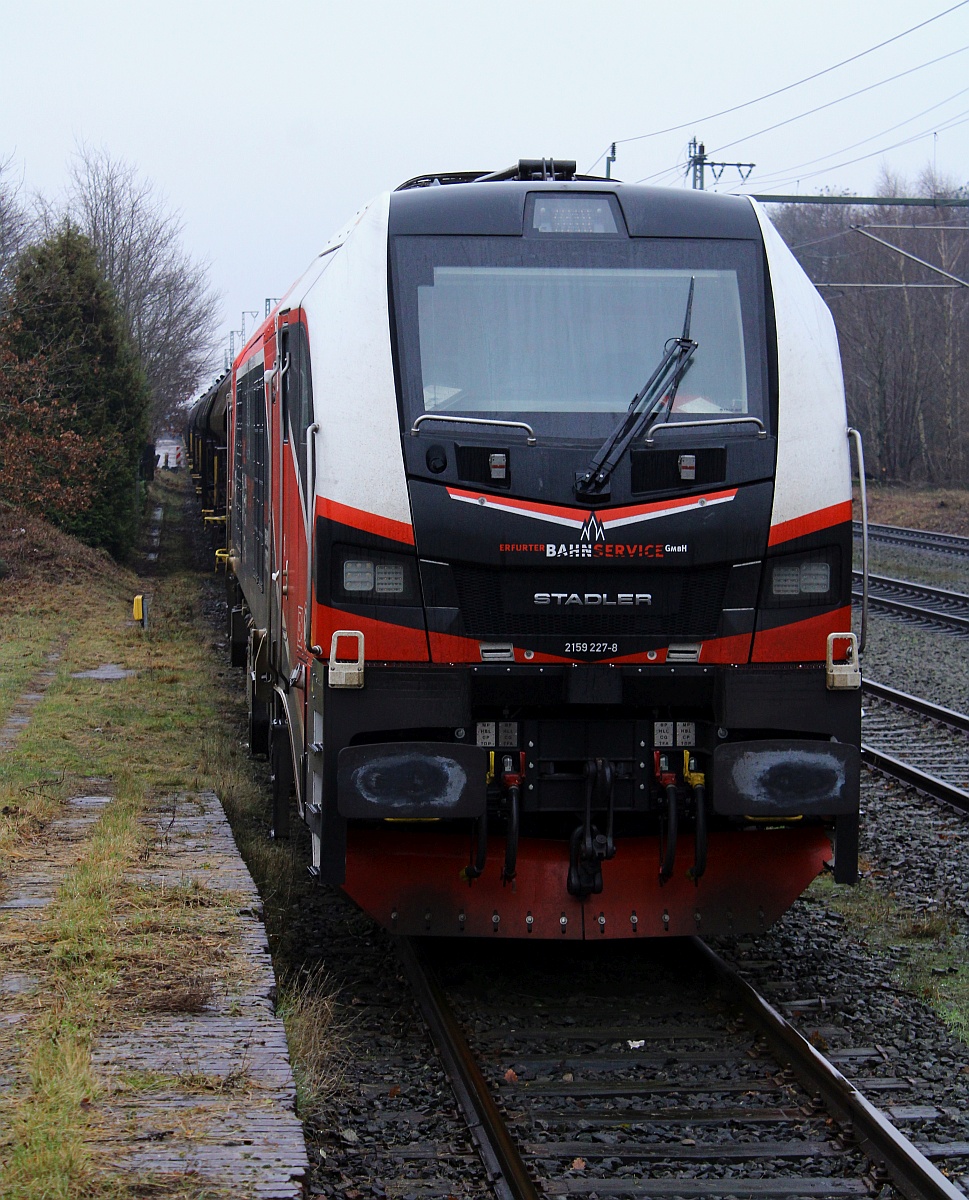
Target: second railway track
(917,539)
(928,606)
(918,742)
(671,1078)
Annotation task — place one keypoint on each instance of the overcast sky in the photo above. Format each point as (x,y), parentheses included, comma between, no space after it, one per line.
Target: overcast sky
(268,124)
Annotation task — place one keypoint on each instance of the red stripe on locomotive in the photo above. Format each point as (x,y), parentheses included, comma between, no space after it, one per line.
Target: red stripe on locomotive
(814,522)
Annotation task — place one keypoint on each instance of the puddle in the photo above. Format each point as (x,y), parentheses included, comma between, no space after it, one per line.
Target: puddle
(17,985)
(90,801)
(106,671)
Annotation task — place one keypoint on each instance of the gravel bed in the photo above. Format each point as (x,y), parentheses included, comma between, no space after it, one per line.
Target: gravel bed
(844,993)
(923,662)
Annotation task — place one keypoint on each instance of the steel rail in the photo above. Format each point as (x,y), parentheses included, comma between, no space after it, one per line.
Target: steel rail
(932,785)
(947,716)
(911,1171)
(932,615)
(917,589)
(503,1162)
(926,539)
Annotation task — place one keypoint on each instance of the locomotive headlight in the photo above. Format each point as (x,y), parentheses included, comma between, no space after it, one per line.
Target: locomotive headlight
(808,578)
(358,575)
(364,576)
(815,577)
(803,578)
(388,578)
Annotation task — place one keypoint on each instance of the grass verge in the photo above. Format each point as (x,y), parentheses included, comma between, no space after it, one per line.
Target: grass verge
(49,1152)
(926,946)
(108,951)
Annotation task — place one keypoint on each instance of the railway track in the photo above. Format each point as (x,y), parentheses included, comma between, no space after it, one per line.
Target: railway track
(927,606)
(671,1077)
(918,742)
(918,539)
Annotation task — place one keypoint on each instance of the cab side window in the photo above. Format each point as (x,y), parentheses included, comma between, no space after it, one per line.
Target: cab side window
(297,391)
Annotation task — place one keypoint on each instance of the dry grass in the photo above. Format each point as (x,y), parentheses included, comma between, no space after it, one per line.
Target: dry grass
(47,1152)
(943,510)
(317,1039)
(177,1187)
(928,927)
(238,1082)
(38,558)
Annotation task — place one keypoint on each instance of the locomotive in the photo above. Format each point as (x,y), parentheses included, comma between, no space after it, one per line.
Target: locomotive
(536,492)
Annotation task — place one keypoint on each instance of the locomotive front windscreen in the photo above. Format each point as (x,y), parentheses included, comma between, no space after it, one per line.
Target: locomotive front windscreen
(563,335)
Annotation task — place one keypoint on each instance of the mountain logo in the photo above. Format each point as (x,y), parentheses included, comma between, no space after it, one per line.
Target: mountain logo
(592,530)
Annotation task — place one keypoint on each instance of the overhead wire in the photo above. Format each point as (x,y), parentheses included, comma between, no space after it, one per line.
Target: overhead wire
(952,123)
(840,100)
(787,87)
(786,172)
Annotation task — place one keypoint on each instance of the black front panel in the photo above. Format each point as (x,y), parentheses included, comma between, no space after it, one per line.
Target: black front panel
(677,469)
(496,605)
(599,590)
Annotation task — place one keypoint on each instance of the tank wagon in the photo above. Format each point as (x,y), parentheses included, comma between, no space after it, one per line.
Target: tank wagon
(537,501)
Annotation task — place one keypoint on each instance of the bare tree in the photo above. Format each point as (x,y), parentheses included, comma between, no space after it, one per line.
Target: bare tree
(13,221)
(904,338)
(164,294)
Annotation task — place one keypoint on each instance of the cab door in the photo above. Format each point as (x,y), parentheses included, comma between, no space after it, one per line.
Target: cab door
(296,409)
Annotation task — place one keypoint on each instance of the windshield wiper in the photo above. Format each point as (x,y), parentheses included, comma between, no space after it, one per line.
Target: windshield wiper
(644,408)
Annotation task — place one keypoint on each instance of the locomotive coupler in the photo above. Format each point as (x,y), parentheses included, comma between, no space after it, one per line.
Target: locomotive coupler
(511,782)
(587,846)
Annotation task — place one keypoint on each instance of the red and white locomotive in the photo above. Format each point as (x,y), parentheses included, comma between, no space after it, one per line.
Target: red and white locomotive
(538,510)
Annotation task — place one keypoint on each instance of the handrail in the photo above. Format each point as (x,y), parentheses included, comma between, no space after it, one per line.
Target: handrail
(311,432)
(855,438)
(474,421)
(761,431)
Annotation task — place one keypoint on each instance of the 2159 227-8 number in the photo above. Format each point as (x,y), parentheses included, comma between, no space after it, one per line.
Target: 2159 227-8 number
(591,647)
